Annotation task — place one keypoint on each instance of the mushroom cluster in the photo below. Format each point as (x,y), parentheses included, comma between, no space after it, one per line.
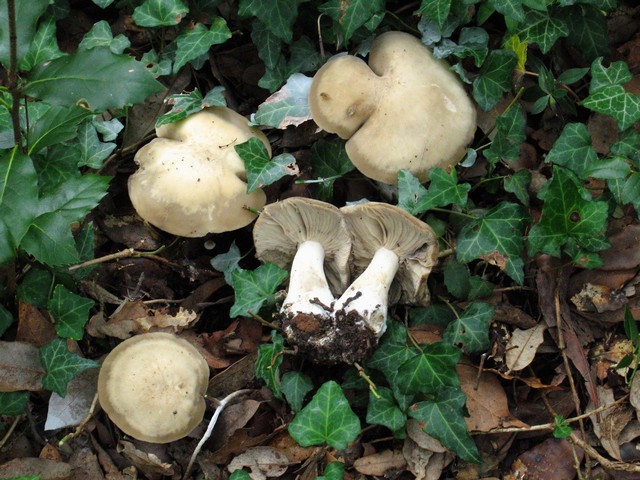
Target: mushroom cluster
(388,252)
(191,181)
(404,110)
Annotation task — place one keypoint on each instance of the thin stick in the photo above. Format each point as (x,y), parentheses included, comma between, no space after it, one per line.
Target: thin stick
(11,429)
(212,423)
(82,424)
(126,253)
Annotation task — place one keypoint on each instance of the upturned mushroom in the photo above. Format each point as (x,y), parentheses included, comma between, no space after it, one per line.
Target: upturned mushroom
(152,387)
(191,181)
(309,237)
(404,110)
(390,250)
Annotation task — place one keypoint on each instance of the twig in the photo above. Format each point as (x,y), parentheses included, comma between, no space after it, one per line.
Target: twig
(363,374)
(127,253)
(82,424)
(605,462)
(264,322)
(212,423)
(11,429)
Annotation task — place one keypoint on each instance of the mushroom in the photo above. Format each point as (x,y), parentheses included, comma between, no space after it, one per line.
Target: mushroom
(405,110)
(390,248)
(311,238)
(191,181)
(152,386)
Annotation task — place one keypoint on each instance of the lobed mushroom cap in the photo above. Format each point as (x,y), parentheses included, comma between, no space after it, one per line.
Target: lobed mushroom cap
(408,111)
(191,181)
(284,225)
(374,225)
(152,386)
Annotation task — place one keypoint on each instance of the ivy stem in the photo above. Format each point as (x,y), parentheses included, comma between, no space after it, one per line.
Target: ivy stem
(12,74)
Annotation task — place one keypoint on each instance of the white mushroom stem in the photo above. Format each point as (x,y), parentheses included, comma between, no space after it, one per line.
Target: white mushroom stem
(368,295)
(308,288)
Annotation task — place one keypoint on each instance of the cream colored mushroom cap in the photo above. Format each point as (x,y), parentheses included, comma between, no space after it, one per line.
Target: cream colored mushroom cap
(152,386)
(191,181)
(417,113)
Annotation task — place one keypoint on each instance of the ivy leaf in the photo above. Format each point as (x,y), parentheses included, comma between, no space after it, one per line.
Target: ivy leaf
(228,262)
(260,170)
(44,46)
(326,418)
(573,150)
(91,151)
(511,9)
(436,10)
(614,100)
(192,44)
(542,29)
(497,238)
(383,410)
(509,136)
(443,190)
(329,161)
(255,288)
(269,45)
(518,47)
(628,146)
(295,385)
(494,79)
(442,419)
(267,366)
(87,76)
(569,216)
(587,30)
(391,352)
(518,185)
(185,104)
(61,365)
(109,129)
(352,14)
(333,471)
(616,74)
(100,36)
(430,370)
(13,403)
(470,331)
(288,106)
(27,14)
(472,42)
(159,13)
(277,15)
(70,311)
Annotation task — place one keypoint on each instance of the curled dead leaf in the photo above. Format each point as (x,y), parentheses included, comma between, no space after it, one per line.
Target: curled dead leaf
(523,346)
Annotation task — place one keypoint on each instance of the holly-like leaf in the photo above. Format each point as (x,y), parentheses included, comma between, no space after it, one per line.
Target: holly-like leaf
(91,151)
(27,14)
(191,44)
(443,190)
(87,76)
(329,161)
(430,370)
(267,366)
(436,10)
(288,106)
(260,170)
(542,29)
(509,136)
(44,46)
(443,419)
(497,238)
(569,217)
(70,311)
(159,13)
(100,36)
(186,104)
(573,150)
(494,79)
(61,366)
(13,403)
(255,288)
(277,15)
(295,385)
(352,14)
(614,100)
(470,331)
(383,410)
(327,418)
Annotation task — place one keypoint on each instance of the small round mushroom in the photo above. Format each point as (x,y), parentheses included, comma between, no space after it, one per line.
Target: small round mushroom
(191,181)
(389,248)
(405,110)
(310,237)
(152,386)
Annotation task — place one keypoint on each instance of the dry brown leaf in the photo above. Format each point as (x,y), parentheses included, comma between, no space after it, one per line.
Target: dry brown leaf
(236,377)
(232,418)
(85,465)
(33,327)
(146,462)
(424,464)
(381,464)
(624,251)
(263,462)
(609,424)
(523,346)
(20,367)
(549,460)
(533,382)
(598,298)
(422,438)
(44,468)
(294,452)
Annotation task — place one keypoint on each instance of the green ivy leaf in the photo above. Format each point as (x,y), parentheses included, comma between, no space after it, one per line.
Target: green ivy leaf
(27,14)
(443,190)
(277,15)
(457,279)
(44,46)
(383,410)
(288,106)
(61,366)
(436,10)
(587,30)
(443,419)
(91,151)
(614,100)
(192,44)
(35,287)
(494,79)
(159,13)
(255,288)
(542,29)
(573,150)
(13,403)
(87,76)
(470,331)
(518,184)
(510,134)
(569,217)
(267,366)
(260,170)
(326,418)
(333,471)
(100,36)
(186,104)
(616,74)
(497,238)
(239,475)
(70,311)
(109,129)
(392,351)
(561,428)
(228,262)
(269,45)
(472,42)
(430,370)
(295,385)
(628,146)
(352,14)
(329,161)
(511,9)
